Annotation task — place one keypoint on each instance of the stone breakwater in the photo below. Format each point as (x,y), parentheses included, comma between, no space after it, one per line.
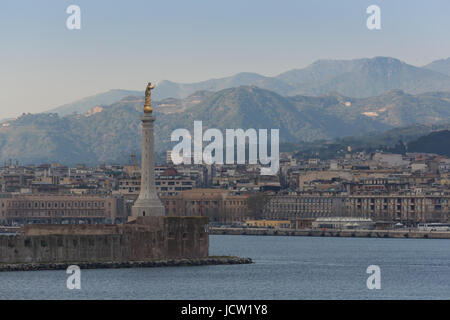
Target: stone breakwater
(404,234)
(209,261)
(144,239)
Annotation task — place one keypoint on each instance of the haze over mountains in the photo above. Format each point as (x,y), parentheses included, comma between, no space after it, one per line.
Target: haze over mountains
(112,133)
(85,104)
(442,66)
(353,78)
(305,104)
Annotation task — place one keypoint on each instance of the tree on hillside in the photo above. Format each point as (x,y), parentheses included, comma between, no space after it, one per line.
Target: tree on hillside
(399,148)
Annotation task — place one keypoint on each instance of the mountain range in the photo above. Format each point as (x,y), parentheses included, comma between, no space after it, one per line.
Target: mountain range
(85,104)
(358,78)
(111,133)
(442,66)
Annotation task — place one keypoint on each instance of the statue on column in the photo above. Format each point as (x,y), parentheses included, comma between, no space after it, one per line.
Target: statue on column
(148,94)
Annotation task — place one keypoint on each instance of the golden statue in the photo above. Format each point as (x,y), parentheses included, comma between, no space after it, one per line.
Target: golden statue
(148,98)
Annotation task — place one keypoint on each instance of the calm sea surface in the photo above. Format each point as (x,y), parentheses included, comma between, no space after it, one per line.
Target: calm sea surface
(285,268)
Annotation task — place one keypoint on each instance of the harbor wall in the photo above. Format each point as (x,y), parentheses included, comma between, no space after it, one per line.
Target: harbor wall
(146,238)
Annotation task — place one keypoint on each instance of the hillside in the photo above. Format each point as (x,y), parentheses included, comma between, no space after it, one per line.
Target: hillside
(364,78)
(83,105)
(354,78)
(442,66)
(396,140)
(358,78)
(436,142)
(111,133)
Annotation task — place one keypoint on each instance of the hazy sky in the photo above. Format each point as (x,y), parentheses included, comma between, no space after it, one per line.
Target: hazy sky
(124,44)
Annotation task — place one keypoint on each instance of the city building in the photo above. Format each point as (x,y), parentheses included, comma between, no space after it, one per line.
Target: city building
(220,206)
(23,209)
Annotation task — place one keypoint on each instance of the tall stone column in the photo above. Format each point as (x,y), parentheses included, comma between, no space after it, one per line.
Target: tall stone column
(148,203)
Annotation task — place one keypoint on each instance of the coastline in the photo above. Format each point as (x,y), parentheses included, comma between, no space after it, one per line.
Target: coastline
(209,261)
(399,234)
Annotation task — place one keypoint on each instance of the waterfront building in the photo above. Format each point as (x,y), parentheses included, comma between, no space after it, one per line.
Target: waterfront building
(23,209)
(220,206)
(407,207)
